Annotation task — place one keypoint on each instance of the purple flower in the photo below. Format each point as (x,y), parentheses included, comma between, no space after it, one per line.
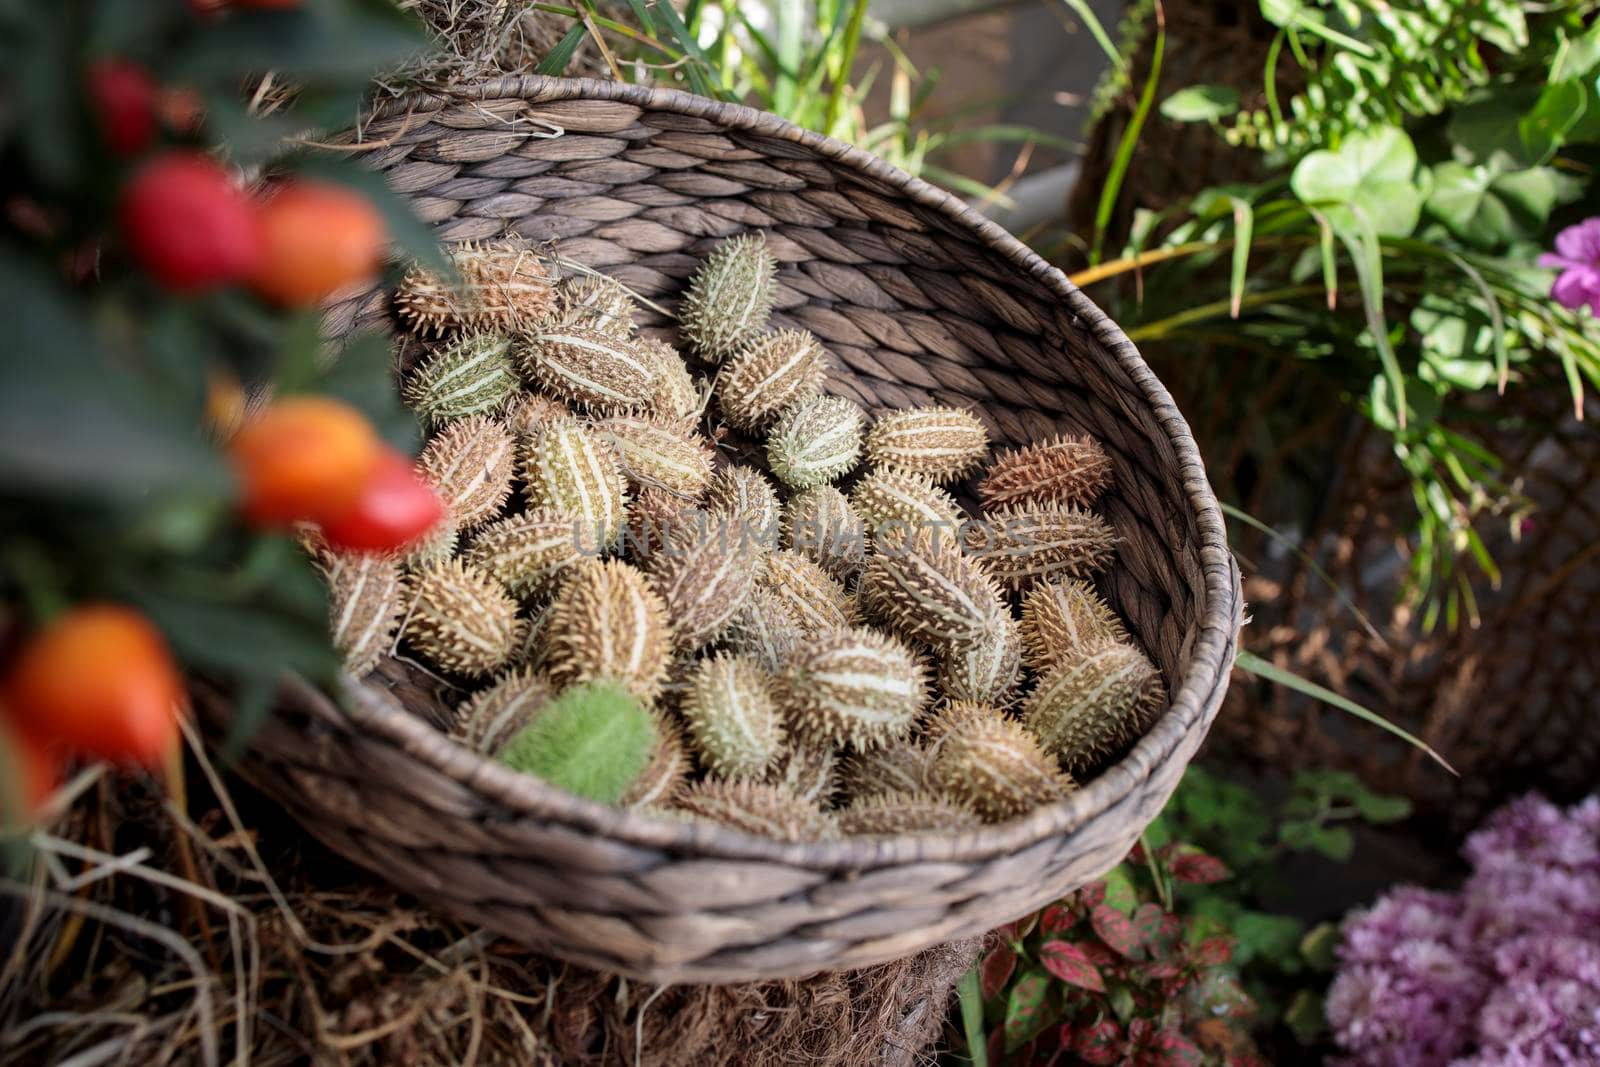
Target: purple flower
(1577,256)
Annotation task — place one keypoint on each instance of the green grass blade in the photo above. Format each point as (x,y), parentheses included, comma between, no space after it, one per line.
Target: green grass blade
(970,993)
(561,55)
(790,16)
(1125,147)
(1364,252)
(691,46)
(847,59)
(1085,13)
(1330,266)
(1569,366)
(1497,320)
(642,13)
(1243,222)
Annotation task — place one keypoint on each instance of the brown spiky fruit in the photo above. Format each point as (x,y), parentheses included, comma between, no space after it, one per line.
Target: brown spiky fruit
(676,396)
(954,715)
(527,553)
(606,622)
(808,593)
(729,297)
(744,494)
(1068,470)
(901,767)
(704,578)
(533,645)
(765,627)
(887,499)
(1024,546)
(820,524)
(924,588)
(654,518)
(472,375)
(528,413)
(1061,618)
(732,718)
(816,441)
(809,771)
(485,721)
(366,597)
(666,775)
(774,371)
(502,286)
(439,543)
(595,302)
(589,369)
(939,443)
(470,464)
(853,685)
(658,454)
(997,769)
(891,814)
(567,468)
(462,620)
(756,808)
(987,668)
(1093,703)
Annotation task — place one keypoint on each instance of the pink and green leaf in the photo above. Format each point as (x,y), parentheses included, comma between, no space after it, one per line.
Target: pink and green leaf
(1070,964)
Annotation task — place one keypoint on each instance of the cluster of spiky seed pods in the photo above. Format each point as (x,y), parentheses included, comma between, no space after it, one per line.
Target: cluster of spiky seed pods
(699,585)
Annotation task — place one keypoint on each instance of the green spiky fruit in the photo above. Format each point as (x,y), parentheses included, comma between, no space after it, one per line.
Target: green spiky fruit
(764,810)
(704,578)
(1093,703)
(1061,618)
(528,413)
(595,302)
(366,595)
(666,775)
(767,628)
(462,620)
(939,443)
(820,524)
(485,721)
(732,717)
(729,297)
(816,441)
(997,769)
(892,814)
(809,594)
(438,544)
(987,668)
(589,369)
(658,454)
(606,622)
(567,468)
(901,767)
(471,376)
(744,495)
(1068,470)
(887,499)
(527,553)
(594,740)
(1023,546)
(853,685)
(774,371)
(470,464)
(924,588)
(809,771)
(502,286)
(676,395)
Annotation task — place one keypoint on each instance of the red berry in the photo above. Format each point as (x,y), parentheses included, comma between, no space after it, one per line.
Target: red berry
(188,225)
(319,238)
(123,96)
(394,509)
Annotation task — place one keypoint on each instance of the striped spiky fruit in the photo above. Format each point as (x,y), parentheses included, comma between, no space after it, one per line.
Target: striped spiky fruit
(756,808)
(666,775)
(924,588)
(901,767)
(606,622)
(765,627)
(569,469)
(439,543)
(807,770)
(816,441)
(527,553)
(470,464)
(729,297)
(1024,546)
(816,600)
(996,768)
(461,619)
(676,396)
(954,715)
(774,371)
(595,302)
(533,643)
(594,740)
(705,579)
(654,518)
(732,718)
(366,595)
(1093,703)
(744,495)
(939,443)
(820,524)
(1061,618)
(589,369)
(485,721)
(887,499)
(1066,470)
(988,668)
(656,453)
(528,413)
(502,286)
(473,375)
(853,685)
(890,814)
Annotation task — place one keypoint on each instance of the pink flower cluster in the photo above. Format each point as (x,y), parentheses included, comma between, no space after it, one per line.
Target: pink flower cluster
(1505,973)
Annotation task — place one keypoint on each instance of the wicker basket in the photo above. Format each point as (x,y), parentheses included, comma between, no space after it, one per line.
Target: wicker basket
(921,300)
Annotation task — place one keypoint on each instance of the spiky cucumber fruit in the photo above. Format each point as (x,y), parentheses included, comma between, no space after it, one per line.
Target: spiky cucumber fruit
(808,593)
(366,596)
(816,441)
(764,810)
(925,589)
(656,517)
(988,668)
(774,371)
(528,413)
(470,464)
(606,622)
(890,814)
(1024,546)
(533,645)
(589,369)
(485,721)
(473,375)
(809,771)
(729,297)
(954,715)
(439,543)
(887,499)
(939,443)
(527,553)
(902,767)
(502,286)
(658,454)
(676,396)
(820,524)
(595,302)
(1068,470)
(462,620)
(732,718)
(1061,618)
(704,578)
(743,494)
(997,769)
(1093,703)
(666,775)
(569,469)
(765,627)
(594,740)
(853,685)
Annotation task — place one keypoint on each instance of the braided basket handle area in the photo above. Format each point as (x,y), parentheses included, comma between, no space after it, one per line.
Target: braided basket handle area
(921,300)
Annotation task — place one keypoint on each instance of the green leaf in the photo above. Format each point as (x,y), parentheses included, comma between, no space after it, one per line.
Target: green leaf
(972,1019)
(1334,842)
(1025,1009)
(1259,935)
(1295,15)
(316,45)
(1318,946)
(561,55)
(1200,103)
(1373,171)
(1243,224)
(1544,129)
(1305,1017)
(1488,209)
(1120,893)
(1377,808)
(362,375)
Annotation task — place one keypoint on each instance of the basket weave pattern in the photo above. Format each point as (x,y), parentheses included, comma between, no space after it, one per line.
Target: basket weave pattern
(921,301)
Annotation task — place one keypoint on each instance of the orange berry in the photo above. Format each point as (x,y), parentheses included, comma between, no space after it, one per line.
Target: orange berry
(318,238)
(305,457)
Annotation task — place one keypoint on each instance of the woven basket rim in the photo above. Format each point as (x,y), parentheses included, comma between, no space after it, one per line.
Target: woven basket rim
(373,708)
